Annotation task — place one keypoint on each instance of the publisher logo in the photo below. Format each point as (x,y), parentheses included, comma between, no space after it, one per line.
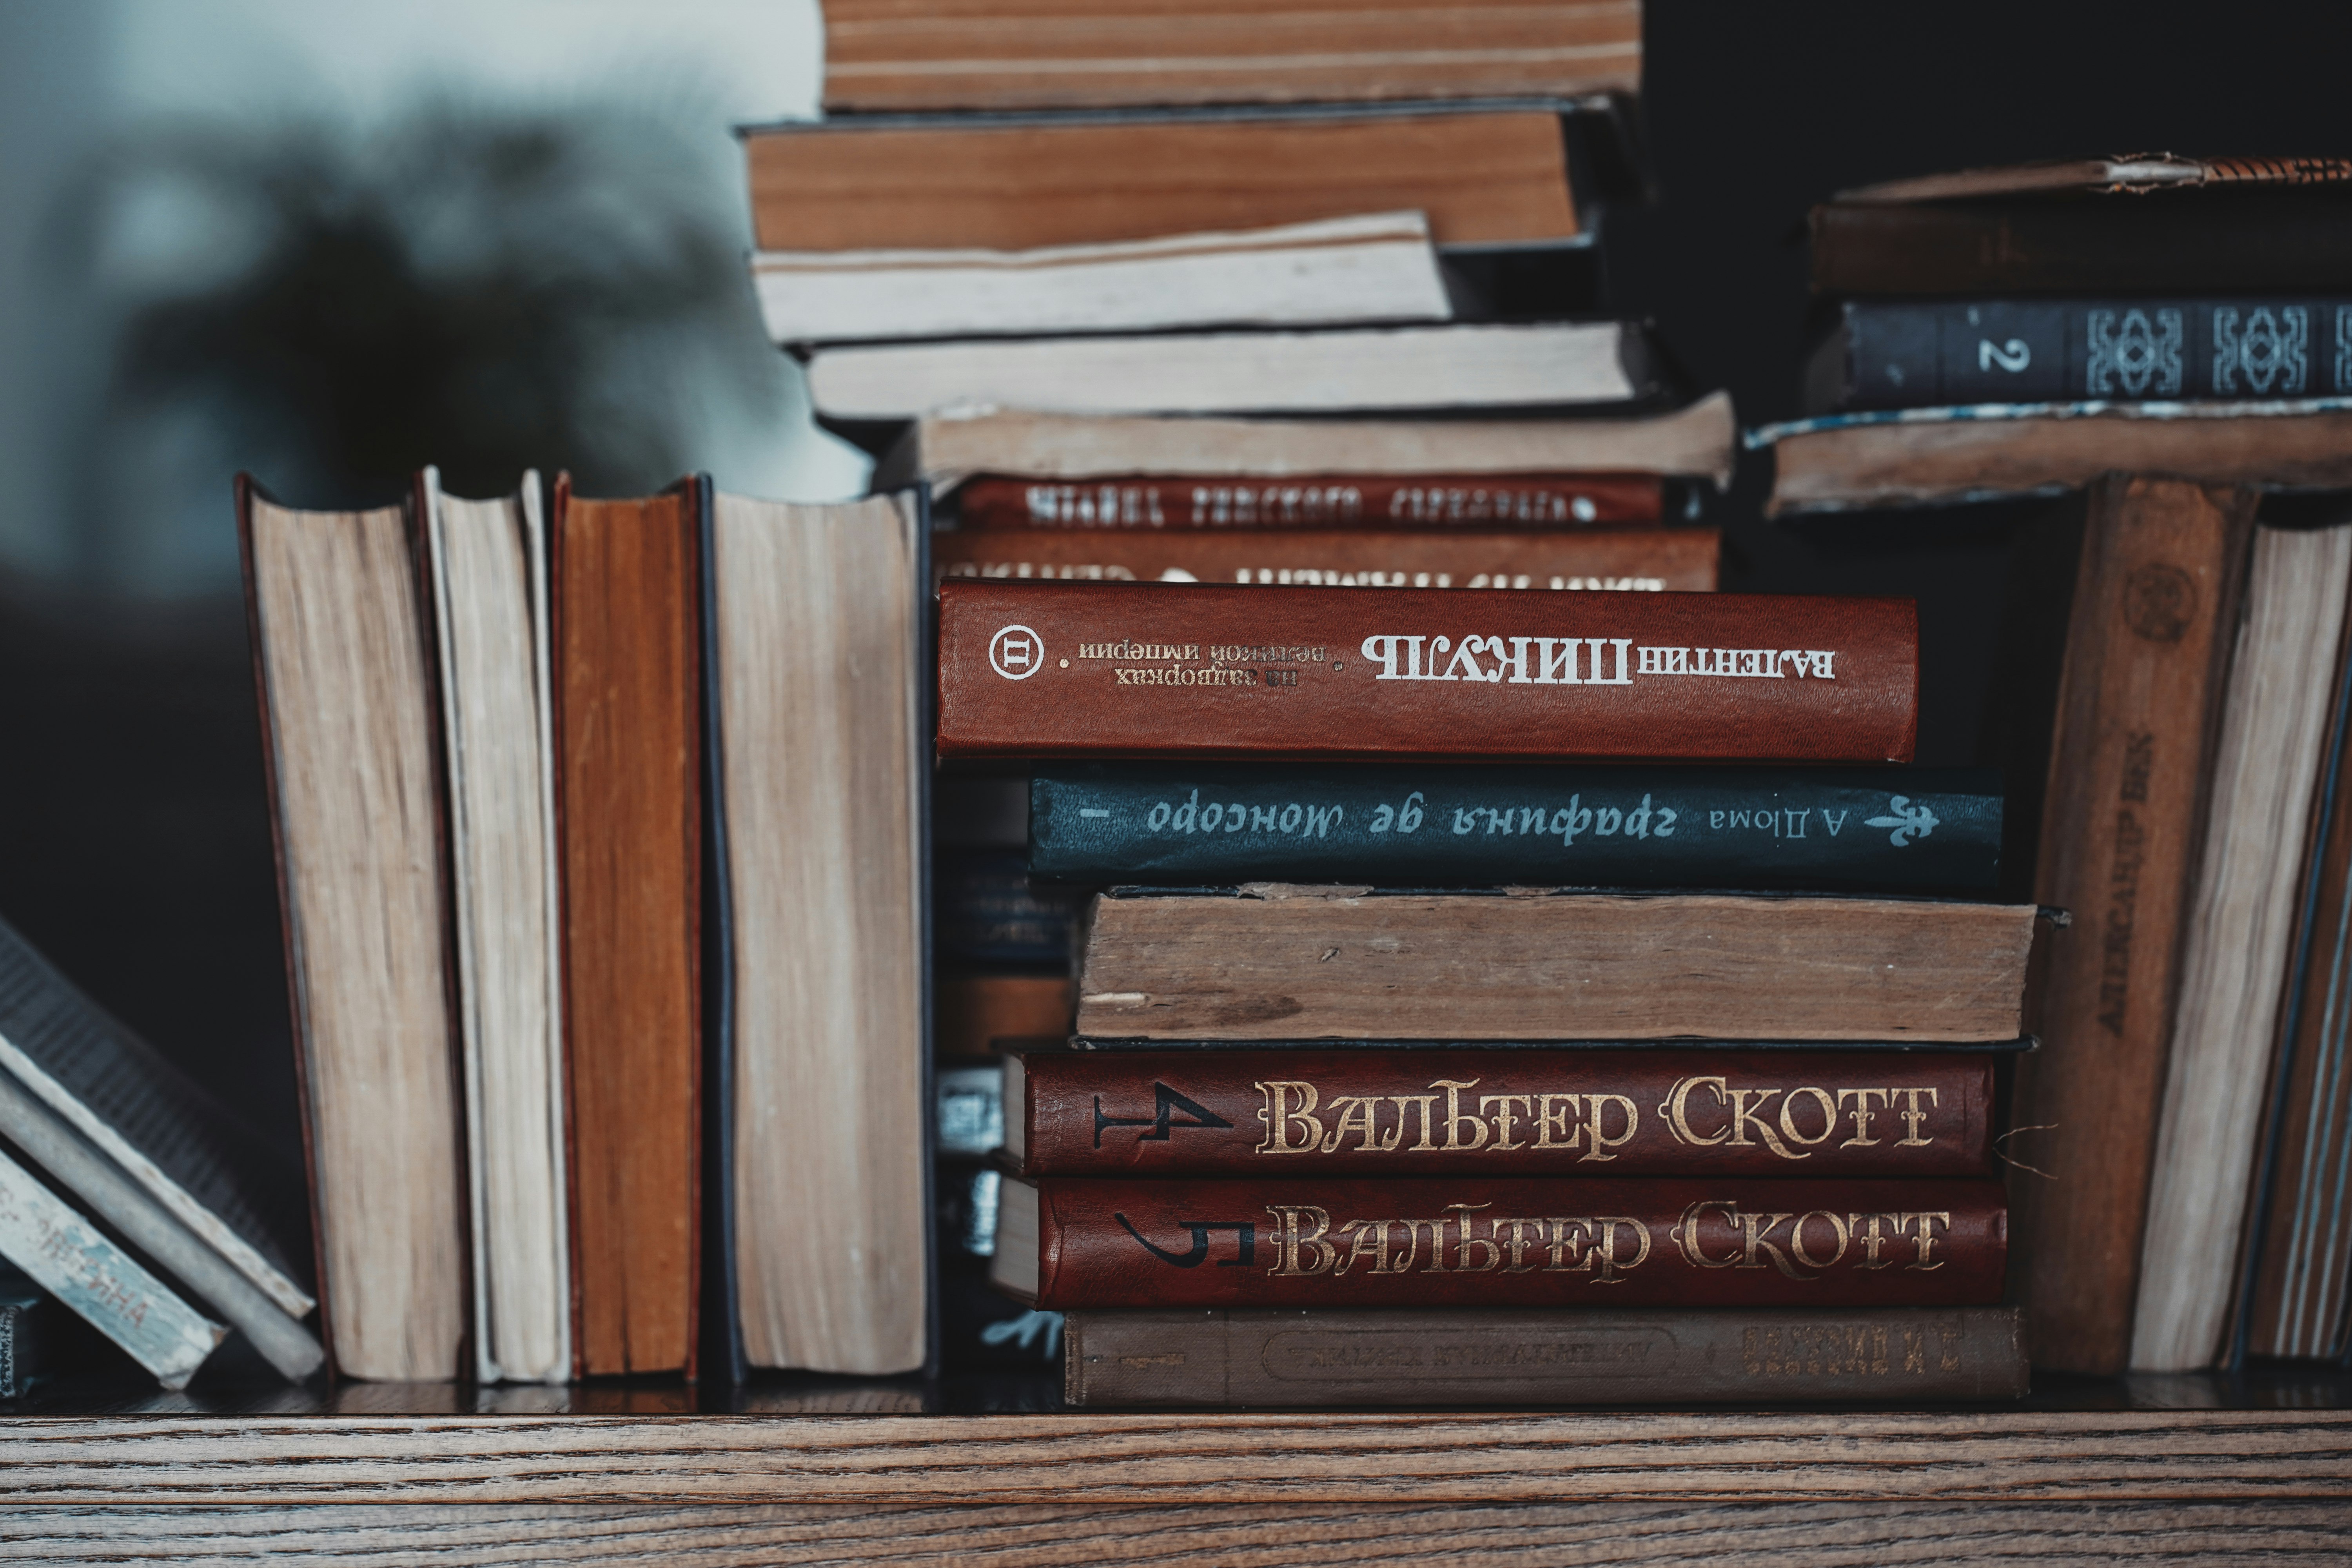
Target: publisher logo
(1016,653)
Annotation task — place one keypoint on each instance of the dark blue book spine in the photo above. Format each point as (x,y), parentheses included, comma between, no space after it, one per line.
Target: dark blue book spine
(1860,829)
(1911,354)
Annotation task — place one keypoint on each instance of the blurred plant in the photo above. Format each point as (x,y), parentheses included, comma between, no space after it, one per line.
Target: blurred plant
(484,289)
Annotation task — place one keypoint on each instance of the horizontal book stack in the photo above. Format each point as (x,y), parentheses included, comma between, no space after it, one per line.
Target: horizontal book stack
(1302,297)
(2177,1163)
(1411,1067)
(1305,297)
(2024,330)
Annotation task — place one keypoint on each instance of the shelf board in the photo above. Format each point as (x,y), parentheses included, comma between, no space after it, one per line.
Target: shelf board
(836,1441)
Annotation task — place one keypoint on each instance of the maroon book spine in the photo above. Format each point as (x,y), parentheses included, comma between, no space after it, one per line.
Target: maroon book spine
(1492,1242)
(1080,669)
(1480,502)
(1517,1111)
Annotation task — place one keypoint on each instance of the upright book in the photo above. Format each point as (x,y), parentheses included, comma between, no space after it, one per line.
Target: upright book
(489,562)
(816,691)
(344,657)
(2235,959)
(627,684)
(2148,650)
(1113,669)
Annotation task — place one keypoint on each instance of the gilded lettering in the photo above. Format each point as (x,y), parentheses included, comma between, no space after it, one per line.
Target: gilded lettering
(1297,1253)
(1912,1116)
(1464,1241)
(1353,1113)
(1924,1227)
(1861,1098)
(1685,1233)
(1596,1122)
(1753,1229)
(1742,1118)
(1503,1119)
(1552,1113)
(1455,1119)
(1789,1122)
(1279,1117)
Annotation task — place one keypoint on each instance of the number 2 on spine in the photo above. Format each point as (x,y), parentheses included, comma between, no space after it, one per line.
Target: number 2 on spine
(2012,356)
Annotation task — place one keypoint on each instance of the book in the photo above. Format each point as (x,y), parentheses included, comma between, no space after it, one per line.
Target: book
(947,448)
(1499,1241)
(1106,669)
(2130,173)
(1933,353)
(1845,462)
(489,565)
(1471,502)
(1289,963)
(1650,560)
(1313,1359)
(124,1135)
(882,55)
(985,911)
(1492,177)
(2291,1302)
(2226,237)
(628,673)
(1380,266)
(1370,370)
(344,664)
(2239,935)
(816,677)
(82,1266)
(978,1011)
(31,1334)
(2147,647)
(1855,830)
(1504,1111)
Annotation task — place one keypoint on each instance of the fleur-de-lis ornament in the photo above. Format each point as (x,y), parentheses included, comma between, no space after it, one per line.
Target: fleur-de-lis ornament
(1908,821)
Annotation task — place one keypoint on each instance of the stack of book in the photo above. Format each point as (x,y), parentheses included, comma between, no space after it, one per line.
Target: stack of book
(1377,1098)
(2179,1138)
(1151,294)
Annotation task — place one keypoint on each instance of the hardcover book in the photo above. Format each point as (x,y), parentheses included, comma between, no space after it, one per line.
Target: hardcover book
(1649,560)
(1471,502)
(1860,830)
(1927,354)
(1130,669)
(986,54)
(947,448)
(1313,1359)
(1498,1241)
(1503,1111)
(1325,963)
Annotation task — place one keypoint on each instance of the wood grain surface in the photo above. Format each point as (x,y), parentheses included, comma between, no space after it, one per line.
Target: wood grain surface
(2002,1455)
(1738,1535)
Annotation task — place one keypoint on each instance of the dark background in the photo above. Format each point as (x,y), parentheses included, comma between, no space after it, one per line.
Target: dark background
(136,847)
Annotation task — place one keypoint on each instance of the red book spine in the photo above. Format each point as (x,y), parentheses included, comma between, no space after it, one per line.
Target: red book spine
(1077,669)
(1482,502)
(1521,1112)
(1473,1242)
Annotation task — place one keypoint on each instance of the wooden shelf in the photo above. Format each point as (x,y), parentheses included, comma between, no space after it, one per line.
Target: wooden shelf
(837,1470)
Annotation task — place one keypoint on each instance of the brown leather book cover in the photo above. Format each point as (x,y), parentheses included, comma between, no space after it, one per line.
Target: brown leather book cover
(1646,559)
(1345,964)
(1482,178)
(2147,647)
(884,55)
(976,1012)
(1474,1241)
(625,623)
(1509,1111)
(1172,670)
(1586,1356)
(1490,503)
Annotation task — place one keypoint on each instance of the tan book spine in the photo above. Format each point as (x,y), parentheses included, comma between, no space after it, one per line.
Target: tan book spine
(1719,1356)
(2147,647)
